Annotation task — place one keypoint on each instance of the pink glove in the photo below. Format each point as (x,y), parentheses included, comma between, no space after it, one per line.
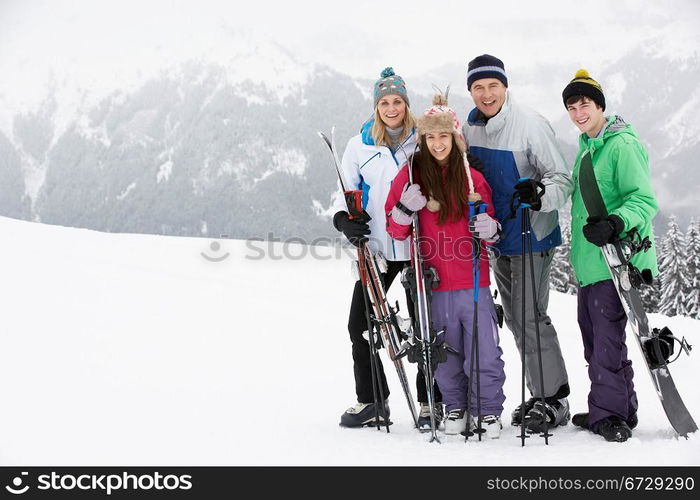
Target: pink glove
(410,202)
(484,227)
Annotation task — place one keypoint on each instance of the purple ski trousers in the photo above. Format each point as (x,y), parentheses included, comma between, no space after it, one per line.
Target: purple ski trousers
(602,321)
(453,311)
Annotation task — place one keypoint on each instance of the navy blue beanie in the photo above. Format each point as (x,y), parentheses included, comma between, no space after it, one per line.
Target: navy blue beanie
(486,66)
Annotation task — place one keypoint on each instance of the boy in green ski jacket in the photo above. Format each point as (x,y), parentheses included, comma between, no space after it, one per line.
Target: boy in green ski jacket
(621,168)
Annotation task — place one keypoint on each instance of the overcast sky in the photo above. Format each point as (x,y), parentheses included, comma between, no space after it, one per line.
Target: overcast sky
(98,42)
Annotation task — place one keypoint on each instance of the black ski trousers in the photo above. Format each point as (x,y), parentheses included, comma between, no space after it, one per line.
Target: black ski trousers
(357,325)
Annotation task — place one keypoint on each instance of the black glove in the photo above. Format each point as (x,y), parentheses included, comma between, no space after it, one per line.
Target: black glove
(603,230)
(355,230)
(475,163)
(530,191)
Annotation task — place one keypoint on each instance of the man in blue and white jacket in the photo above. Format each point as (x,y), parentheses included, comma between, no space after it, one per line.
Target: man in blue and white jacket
(515,142)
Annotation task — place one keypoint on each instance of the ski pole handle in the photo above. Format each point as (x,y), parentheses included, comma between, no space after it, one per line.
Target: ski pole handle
(477,207)
(539,193)
(524,205)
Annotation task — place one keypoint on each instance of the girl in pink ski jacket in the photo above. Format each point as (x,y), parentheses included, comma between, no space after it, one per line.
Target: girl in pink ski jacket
(442,173)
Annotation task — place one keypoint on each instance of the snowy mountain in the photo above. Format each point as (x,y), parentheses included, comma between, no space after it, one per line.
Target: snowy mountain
(227,144)
(122,349)
(192,152)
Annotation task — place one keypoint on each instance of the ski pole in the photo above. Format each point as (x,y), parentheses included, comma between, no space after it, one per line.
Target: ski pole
(523,435)
(528,227)
(475,207)
(522,335)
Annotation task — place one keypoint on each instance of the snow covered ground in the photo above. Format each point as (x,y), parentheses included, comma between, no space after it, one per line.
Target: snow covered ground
(139,350)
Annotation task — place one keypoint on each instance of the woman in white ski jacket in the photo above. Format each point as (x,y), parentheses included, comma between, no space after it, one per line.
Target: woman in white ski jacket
(370,162)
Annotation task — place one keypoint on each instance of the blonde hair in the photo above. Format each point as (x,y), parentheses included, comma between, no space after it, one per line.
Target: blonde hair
(381,136)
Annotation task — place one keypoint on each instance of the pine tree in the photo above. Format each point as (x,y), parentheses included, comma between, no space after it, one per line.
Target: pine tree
(562,276)
(692,240)
(674,277)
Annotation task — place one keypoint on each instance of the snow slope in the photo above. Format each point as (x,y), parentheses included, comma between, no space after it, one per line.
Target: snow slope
(125,349)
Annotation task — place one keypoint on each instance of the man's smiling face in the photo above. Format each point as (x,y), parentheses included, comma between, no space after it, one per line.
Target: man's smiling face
(488,94)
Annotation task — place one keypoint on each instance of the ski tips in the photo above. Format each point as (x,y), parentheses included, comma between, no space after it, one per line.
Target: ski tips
(323,136)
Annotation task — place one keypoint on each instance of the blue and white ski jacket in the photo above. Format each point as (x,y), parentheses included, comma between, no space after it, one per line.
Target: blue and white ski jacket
(371,169)
(519,142)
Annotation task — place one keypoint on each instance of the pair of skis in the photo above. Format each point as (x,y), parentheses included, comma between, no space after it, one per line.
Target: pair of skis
(426,346)
(382,318)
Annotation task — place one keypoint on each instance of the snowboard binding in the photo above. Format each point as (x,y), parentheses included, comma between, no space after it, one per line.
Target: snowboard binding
(621,255)
(660,347)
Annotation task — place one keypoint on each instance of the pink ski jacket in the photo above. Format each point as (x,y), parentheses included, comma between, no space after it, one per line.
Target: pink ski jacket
(447,248)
